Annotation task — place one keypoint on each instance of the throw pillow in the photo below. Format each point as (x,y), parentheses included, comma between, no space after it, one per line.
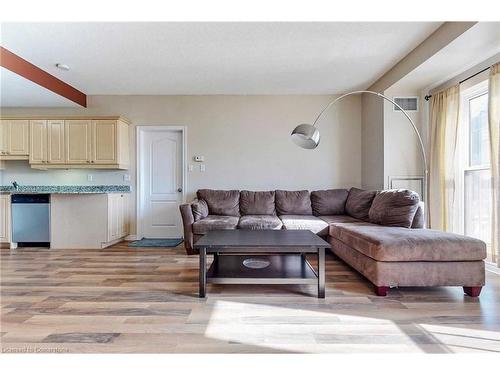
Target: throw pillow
(359,202)
(394,208)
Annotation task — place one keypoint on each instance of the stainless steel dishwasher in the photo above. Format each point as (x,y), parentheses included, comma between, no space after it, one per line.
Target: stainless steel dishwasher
(31,219)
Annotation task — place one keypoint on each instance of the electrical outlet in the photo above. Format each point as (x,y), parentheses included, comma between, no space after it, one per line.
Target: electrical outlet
(90,178)
(202,167)
(191,167)
(126,177)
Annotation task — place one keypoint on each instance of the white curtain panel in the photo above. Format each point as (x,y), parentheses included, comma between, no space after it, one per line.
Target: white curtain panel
(494,127)
(444,115)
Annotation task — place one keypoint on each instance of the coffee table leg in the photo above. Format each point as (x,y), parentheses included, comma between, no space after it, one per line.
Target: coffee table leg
(321,273)
(203,272)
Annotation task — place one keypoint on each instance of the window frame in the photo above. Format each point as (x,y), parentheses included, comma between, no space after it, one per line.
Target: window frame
(463,166)
(474,95)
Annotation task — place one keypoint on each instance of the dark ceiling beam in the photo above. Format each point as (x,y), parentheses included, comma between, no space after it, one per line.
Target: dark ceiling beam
(25,69)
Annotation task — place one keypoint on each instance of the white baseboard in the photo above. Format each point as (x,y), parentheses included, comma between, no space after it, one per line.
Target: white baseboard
(131,237)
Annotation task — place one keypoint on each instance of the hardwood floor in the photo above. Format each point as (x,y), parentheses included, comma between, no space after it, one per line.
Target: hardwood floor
(124,299)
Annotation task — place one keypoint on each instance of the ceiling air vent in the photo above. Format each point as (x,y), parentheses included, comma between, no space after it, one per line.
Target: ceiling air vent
(408,103)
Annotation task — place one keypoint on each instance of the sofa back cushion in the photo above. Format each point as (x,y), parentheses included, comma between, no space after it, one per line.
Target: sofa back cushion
(359,202)
(329,202)
(394,208)
(419,218)
(221,202)
(293,202)
(257,203)
(200,209)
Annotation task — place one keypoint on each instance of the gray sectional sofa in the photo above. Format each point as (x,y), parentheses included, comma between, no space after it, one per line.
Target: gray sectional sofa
(381,234)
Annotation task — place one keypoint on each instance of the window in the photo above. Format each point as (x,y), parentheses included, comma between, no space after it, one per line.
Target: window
(474,169)
(478,131)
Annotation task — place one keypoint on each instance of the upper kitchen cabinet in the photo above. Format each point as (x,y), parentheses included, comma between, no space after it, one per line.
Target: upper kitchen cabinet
(78,139)
(47,142)
(110,142)
(14,139)
(55,142)
(95,142)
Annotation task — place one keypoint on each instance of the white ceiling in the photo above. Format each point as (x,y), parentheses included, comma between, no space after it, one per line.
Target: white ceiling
(214,58)
(476,45)
(16,91)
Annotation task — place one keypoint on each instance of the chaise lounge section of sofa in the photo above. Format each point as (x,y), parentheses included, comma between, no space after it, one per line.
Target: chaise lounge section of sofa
(381,234)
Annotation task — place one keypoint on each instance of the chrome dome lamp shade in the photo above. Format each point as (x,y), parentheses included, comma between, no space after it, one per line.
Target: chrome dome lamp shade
(306,136)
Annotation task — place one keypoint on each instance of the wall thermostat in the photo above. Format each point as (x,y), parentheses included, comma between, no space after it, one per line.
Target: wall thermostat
(199,158)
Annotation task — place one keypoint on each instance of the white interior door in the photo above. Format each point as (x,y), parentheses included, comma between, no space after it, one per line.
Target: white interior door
(160,163)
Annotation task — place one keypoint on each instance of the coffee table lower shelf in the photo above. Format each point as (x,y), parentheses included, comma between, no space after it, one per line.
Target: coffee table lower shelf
(282,269)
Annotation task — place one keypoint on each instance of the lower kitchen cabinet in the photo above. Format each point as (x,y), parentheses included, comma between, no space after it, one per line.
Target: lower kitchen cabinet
(88,221)
(117,216)
(4,218)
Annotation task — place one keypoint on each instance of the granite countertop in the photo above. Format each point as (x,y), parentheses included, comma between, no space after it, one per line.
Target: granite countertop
(66,189)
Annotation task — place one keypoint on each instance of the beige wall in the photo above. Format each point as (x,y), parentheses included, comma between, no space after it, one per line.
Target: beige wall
(244,139)
(372,142)
(402,155)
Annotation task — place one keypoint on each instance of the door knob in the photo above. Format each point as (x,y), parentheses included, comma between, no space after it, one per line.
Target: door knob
(179,190)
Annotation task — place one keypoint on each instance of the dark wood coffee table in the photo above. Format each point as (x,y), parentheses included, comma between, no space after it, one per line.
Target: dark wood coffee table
(261,257)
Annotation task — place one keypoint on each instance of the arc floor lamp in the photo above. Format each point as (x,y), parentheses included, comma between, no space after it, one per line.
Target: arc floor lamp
(307,136)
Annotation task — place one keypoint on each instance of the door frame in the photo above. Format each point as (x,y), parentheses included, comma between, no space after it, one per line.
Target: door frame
(139,131)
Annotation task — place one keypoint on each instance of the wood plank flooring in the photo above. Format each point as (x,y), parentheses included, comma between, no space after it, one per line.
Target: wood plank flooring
(122,299)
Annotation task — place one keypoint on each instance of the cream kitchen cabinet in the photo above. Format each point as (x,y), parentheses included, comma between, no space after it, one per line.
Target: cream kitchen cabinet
(65,142)
(47,142)
(104,141)
(14,139)
(78,146)
(117,216)
(55,142)
(110,143)
(4,218)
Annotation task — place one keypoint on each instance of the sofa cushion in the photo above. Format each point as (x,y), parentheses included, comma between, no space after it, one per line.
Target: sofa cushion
(309,222)
(257,203)
(200,209)
(293,202)
(221,202)
(331,219)
(359,202)
(419,218)
(397,244)
(260,222)
(215,222)
(394,208)
(329,202)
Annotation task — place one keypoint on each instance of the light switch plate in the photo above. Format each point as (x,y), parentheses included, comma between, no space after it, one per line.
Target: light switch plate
(202,167)
(191,167)
(126,177)
(90,178)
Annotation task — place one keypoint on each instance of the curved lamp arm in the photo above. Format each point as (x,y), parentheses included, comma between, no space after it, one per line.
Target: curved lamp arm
(417,133)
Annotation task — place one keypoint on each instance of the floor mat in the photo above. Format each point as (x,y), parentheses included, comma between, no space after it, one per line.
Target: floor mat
(156,242)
